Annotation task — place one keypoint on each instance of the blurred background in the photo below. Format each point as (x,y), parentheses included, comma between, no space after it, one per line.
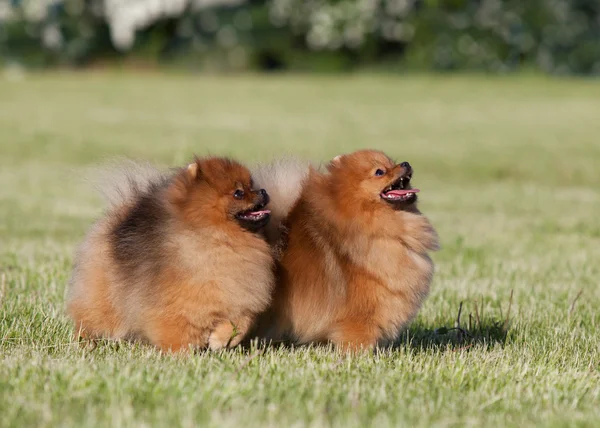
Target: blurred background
(555,36)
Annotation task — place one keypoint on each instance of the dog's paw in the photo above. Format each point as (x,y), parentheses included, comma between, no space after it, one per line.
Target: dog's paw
(224,335)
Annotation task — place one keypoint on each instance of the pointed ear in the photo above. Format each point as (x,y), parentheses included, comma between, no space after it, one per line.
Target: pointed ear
(194,170)
(336,162)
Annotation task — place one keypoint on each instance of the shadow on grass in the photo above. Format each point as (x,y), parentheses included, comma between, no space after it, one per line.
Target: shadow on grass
(420,338)
(467,331)
(476,330)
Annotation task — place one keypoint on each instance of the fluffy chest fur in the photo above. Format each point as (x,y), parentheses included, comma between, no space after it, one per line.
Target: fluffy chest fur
(237,266)
(396,266)
(398,282)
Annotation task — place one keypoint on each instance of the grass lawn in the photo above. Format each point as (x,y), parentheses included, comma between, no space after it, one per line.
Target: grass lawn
(509,170)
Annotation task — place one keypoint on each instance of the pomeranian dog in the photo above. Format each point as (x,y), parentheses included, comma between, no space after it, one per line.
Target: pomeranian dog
(177,261)
(353,265)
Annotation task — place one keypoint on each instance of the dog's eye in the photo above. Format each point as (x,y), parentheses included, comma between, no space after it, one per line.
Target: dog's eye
(379,172)
(238,194)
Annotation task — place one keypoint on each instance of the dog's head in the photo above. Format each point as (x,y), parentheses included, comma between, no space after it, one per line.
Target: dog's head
(372,178)
(214,190)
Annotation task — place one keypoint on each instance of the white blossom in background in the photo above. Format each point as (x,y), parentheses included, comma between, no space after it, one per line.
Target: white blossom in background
(125,17)
(399,8)
(34,10)
(279,12)
(6,11)
(330,25)
(52,37)
(326,24)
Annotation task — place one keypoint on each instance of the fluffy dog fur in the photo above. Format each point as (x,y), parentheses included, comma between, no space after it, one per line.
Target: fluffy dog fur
(354,267)
(177,260)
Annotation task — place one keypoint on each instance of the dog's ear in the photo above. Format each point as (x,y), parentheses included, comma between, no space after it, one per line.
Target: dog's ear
(186,179)
(194,170)
(336,162)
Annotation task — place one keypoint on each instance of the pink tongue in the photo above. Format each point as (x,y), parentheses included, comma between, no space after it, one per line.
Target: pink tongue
(402,192)
(260,212)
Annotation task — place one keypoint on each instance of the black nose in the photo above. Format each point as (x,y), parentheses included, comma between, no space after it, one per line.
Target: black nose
(405,165)
(265,196)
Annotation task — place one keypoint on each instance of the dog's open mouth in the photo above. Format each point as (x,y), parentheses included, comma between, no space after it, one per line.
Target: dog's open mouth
(254,218)
(254,215)
(400,191)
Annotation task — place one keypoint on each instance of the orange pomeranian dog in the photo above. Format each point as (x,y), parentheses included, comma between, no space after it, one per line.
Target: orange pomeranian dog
(353,266)
(177,261)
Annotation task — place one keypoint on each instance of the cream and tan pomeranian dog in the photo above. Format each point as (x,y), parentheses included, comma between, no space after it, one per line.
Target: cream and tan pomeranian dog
(177,261)
(353,265)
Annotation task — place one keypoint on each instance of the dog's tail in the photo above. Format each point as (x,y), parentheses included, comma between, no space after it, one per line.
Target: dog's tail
(283,180)
(121,182)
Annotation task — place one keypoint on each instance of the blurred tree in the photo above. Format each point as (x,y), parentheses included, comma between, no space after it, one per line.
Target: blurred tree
(556,36)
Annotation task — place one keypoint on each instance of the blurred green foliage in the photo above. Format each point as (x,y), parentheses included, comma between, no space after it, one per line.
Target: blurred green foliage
(556,36)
